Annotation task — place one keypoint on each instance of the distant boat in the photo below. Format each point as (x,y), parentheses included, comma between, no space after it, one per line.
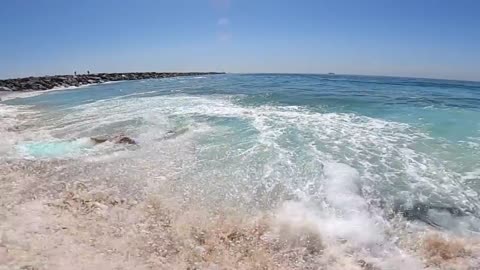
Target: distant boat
(331,73)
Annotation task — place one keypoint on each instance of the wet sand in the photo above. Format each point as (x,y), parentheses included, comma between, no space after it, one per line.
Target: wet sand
(49,222)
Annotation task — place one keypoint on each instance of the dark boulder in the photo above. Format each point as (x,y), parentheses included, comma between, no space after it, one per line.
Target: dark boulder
(118,139)
(124,140)
(426,212)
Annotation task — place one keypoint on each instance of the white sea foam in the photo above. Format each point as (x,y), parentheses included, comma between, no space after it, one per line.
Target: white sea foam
(384,152)
(318,172)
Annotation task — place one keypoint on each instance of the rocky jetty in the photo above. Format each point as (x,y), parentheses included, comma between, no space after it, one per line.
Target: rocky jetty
(50,82)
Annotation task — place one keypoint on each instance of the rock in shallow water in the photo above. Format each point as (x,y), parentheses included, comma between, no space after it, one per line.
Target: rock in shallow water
(124,140)
(119,139)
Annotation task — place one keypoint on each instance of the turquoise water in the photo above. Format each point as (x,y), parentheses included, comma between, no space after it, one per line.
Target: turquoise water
(347,118)
(348,148)
(445,109)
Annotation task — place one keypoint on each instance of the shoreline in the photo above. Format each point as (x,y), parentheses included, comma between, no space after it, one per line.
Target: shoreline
(43,83)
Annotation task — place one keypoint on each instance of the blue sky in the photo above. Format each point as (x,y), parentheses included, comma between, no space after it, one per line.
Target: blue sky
(419,38)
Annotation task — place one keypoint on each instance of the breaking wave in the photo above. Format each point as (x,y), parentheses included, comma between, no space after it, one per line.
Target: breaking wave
(217,183)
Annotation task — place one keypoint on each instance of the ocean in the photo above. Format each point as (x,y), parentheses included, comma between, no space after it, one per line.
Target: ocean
(243,171)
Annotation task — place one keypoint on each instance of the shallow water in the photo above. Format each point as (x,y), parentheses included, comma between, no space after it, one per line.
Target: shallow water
(331,156)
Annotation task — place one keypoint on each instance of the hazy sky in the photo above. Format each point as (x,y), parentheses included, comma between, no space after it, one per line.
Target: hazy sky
(420,38)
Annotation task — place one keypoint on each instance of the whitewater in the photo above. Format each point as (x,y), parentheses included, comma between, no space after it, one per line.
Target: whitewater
(243,171)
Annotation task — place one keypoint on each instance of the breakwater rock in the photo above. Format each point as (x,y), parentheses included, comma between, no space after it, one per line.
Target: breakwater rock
(56,81)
